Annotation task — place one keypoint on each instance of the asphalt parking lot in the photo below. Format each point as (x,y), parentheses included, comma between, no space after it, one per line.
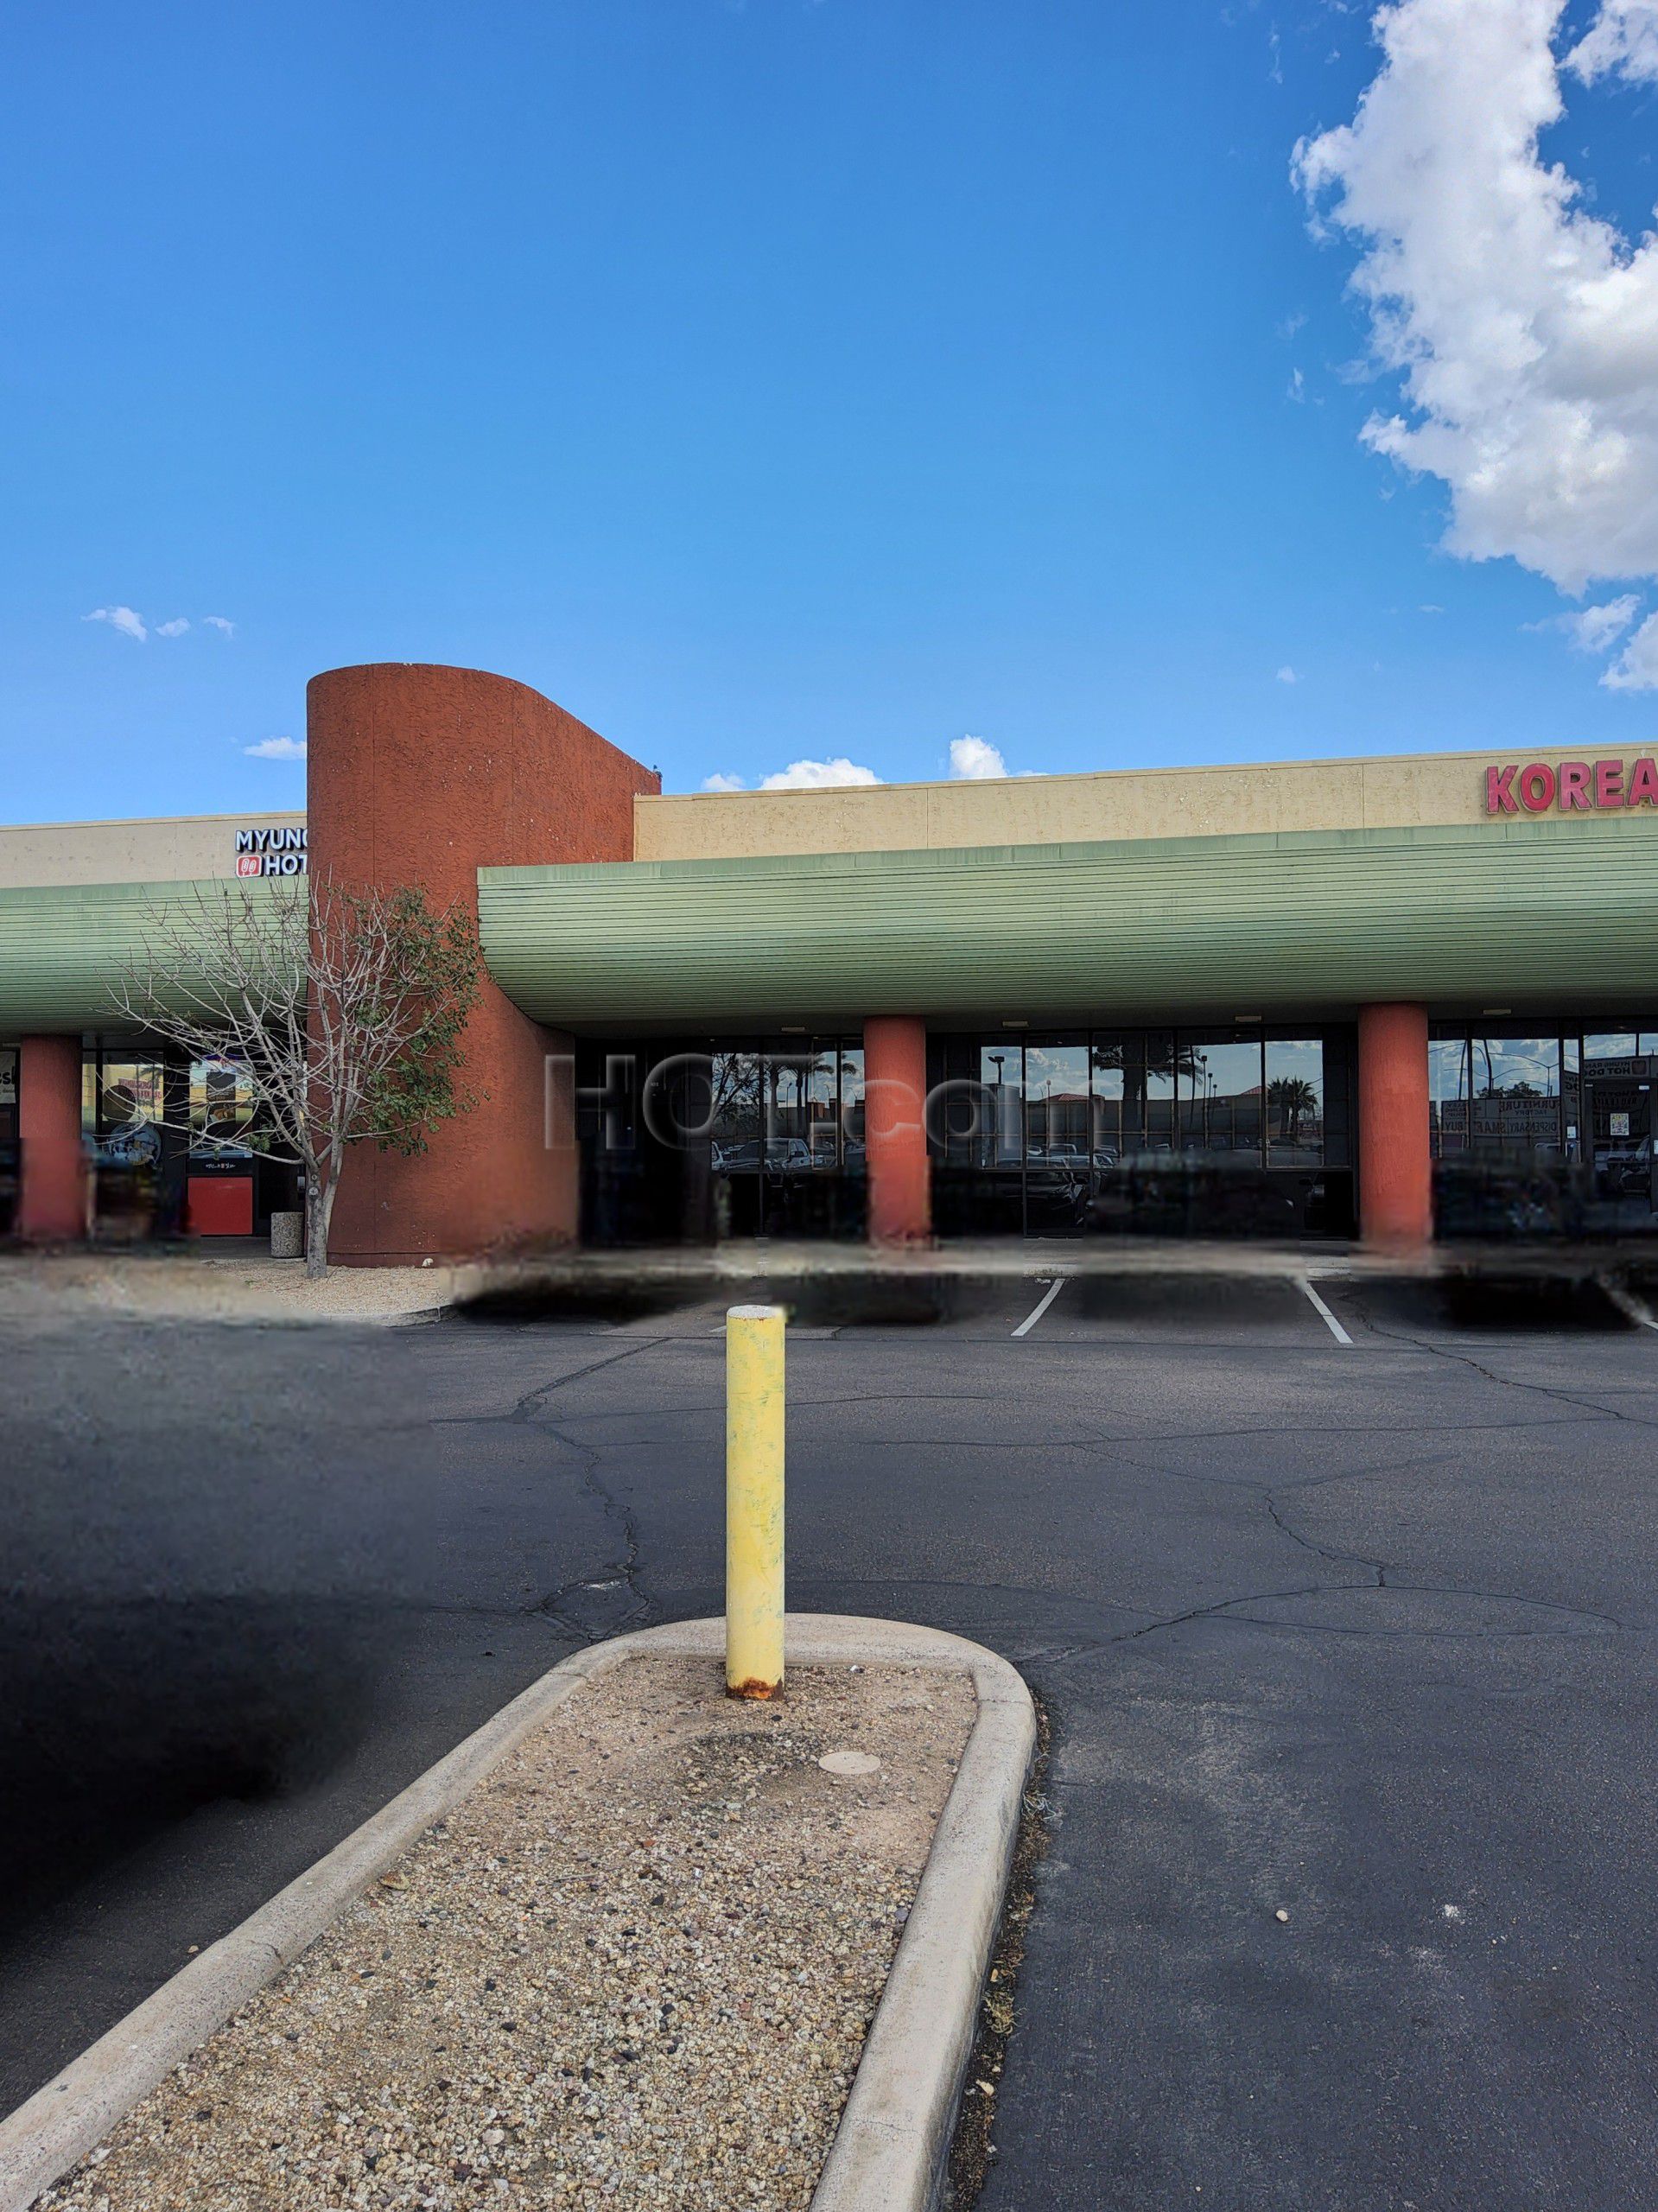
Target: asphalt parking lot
(1341,1615)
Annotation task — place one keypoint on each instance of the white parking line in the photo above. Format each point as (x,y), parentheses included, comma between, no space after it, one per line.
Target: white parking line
(1628,1304)
(1041,1306)
(1329,1318)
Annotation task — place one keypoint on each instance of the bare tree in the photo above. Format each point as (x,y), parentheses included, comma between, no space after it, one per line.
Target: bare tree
(343,1008)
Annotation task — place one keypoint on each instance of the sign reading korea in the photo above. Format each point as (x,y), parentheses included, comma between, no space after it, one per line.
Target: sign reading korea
(271,852)
(1571,786)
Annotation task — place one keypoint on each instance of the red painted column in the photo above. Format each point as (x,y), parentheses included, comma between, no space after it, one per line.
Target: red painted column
(895,1136)
(52,1192)
(1395,1172)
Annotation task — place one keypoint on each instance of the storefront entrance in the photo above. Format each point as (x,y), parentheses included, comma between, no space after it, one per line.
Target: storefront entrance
(1616,1115)
(1240,1131)
(1542,1135)
(1207,1132)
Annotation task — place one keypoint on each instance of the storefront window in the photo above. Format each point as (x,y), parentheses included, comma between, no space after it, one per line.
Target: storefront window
(121,1110)
(1295,1101)
(222,1111)
(1106,1112)
(1447,1090)
(1220,1094)
(1057,1102)
(1516,1092)
(1134,1087)
(850,1059)
(736,1119)
(802,1116)
(1612,1101)
(790,1109)
(1001,1071)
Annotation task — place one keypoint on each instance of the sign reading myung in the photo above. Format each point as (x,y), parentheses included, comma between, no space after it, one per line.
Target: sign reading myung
(271,852)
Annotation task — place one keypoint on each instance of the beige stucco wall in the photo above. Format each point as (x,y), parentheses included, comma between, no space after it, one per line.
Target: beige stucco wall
(179,848)
(1404,791)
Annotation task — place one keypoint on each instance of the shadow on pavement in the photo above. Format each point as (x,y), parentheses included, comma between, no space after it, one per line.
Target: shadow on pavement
(122,1718)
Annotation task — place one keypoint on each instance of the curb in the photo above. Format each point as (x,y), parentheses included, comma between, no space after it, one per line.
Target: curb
(889,2153)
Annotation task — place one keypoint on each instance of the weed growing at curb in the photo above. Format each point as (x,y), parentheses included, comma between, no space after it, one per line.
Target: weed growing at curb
(972,2152)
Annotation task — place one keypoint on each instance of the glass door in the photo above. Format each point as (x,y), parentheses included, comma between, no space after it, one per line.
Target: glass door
(1619,1069)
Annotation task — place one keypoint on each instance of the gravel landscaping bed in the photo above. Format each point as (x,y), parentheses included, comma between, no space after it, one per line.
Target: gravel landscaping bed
(203,1286)
(635,1966)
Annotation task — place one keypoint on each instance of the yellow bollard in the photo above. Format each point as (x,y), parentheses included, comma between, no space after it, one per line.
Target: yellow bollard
(754,1501)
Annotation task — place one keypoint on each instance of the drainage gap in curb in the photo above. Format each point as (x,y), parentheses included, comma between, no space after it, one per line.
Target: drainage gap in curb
(971,2153)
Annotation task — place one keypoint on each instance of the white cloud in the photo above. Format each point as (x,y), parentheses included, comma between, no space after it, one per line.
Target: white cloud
(1296,388)
(818,775)
(973,760)
(1288,675)
(720,782)
(276,748)
(1636,669)
(123,618)
(1622,39)
(175,628)
(1592,629)
(1524,329)
(218,622)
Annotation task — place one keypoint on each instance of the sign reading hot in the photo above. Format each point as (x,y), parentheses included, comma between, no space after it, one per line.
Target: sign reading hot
(271,852)
(1572,786)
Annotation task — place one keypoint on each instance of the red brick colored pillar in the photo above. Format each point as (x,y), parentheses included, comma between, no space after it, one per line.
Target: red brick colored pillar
(1395,1172)
(424,775)
(52,1194)
(895,1136)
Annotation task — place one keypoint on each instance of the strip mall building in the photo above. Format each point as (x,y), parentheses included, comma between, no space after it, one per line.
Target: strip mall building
(1318,999)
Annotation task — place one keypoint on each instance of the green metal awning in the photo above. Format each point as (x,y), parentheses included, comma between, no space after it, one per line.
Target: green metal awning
(63,948)
(1542,913)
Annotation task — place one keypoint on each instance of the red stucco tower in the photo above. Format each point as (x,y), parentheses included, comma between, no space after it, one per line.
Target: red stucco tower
(424,775)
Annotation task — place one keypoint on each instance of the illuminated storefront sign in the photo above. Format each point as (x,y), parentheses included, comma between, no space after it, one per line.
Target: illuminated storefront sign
(1572,786)
(271,852)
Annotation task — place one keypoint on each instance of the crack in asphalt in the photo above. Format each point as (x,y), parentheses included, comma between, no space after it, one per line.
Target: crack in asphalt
(641,1608)
(1377,1566)
(524,1409)
(525,1412)
(1550,1390)
(797,1404)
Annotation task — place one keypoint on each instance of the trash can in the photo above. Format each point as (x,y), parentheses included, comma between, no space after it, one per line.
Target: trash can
(287,1235)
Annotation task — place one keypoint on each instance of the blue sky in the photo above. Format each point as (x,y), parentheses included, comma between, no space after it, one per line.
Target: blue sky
(794,381)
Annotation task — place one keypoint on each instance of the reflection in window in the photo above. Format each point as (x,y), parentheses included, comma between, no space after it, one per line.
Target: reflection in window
(849,1058)
(736,1118)
(1220,1094)
(1001,1073)
(1516,1092)
(1613,1111)
(1618,1053)
(1056,1103)
(1133,1090)
(1295,1101)
(795,1110)
(802,1115)
(222,1110)
(1499,1094)
(121,1110)
(1447,1092)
